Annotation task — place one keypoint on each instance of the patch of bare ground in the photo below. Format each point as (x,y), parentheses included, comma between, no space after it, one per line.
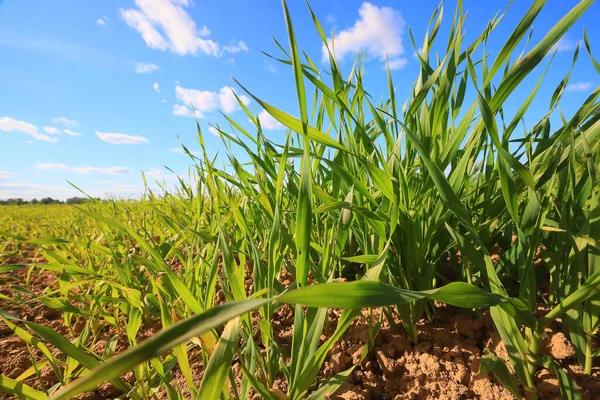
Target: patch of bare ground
(443,364)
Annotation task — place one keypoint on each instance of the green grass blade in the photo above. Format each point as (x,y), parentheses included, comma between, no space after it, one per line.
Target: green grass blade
(159,344)
(568,387)
(218,367)
(361,294)
(497,366)
(19,389)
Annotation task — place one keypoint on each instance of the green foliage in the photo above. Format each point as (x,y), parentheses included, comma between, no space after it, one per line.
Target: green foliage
(358,190)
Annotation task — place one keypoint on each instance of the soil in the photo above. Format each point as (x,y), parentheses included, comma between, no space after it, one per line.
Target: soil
(443,364)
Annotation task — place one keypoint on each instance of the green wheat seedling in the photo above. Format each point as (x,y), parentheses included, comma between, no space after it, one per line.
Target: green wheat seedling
(374,192)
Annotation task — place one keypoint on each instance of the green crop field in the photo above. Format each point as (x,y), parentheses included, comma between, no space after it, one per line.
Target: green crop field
(381,213)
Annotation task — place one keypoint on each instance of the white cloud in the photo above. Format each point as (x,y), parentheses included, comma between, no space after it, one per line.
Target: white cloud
(156,87)
(268,122)
(121,138)
(397,63)
(83,170)
(213,130)
(51,130)
(158,174)
(117,187)
(53,46)
(228,101)
(19,185)
(205,101)
(204,31)
(563,44)
(182,111)
(5,175)
(65,121)
(72,133)
(579,86)
(178,150)
(165,25)
(269,66)
(330,19)
(102,21)
(155,173)
(378,31)
(145,68)
(8,124)
(235,47)
(31,190)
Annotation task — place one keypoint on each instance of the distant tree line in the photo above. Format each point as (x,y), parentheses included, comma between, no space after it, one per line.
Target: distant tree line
(45,200)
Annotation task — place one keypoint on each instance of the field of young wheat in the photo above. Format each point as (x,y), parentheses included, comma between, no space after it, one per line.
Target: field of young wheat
(439,246)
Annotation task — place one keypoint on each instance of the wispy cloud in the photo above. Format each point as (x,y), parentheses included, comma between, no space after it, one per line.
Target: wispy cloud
(57,47)
(118,187)
(72,133)
(71,123)
(145,68)
(105,182)
(166,25)
(51,130)
(121,138)
(31,190)
(579,86)
(564,44)
(8,124)
(5,175)
(83,170)
(269,66)
(205,101)
(102,21)
(179,150)
(378,31)
(158,174)
(156,87)
(235,47)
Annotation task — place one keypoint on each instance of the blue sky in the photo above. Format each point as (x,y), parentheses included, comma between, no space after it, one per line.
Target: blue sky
(94,92)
